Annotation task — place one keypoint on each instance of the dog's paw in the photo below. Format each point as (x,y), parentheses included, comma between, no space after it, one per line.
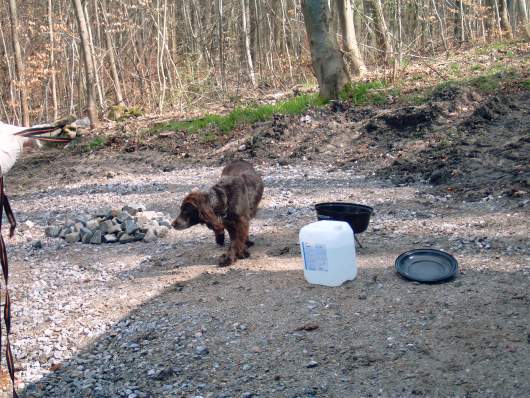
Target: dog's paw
(220,239)
(244,254)
(249,243)
(225,261)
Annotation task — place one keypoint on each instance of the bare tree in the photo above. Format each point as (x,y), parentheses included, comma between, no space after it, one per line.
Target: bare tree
(246,40)
(328,64)
(349,38)
(89,66)
(523,15)
(221,43)
(505,22)
(53,78)
(110,53)
(382,32)
(19,64)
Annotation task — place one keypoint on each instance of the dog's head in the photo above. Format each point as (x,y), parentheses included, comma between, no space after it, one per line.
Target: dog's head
(196,209)
(190,211)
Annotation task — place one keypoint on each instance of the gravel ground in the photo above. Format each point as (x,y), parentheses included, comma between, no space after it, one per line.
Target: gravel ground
(160,319)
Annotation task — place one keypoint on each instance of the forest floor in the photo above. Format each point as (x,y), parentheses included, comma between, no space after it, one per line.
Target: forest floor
(160,319)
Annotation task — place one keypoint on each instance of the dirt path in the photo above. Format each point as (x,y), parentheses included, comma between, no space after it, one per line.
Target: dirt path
(161,320)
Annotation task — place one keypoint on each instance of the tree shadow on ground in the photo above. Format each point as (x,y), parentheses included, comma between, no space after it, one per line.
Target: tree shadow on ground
(256,331)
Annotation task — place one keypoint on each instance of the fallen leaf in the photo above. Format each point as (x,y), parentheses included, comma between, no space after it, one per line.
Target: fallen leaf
(308,327)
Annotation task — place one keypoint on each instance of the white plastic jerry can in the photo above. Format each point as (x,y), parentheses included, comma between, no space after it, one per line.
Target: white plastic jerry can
(328,251)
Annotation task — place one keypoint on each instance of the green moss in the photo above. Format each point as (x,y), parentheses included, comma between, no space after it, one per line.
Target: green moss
(96,143)
(454,68)
(120,112)
(245,115)
(363,93)
(486,83)
(492,47)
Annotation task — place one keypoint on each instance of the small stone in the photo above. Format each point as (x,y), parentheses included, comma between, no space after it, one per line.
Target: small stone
(26,225)
(150,236)
(246,367)
(126,238)
(96,238)
(84,230)
(202,350)
(36,244)
(247,395)
(110,238)
(52,232)
(123,216)
(65,231)
(116,228)
(113,213)
(142,219)
(164,223)
(92,224)
(81,219)
(73,237)
(133,209)
(162,232)
(242,148)
(85,238)
(130,227)
(312,364)
(106,226)
(139,235)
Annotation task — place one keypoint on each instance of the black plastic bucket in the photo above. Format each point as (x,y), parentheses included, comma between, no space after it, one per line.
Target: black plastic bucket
(358,216)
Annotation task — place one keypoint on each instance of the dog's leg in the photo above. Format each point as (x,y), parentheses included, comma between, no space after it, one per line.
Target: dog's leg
(220,238)
(243,227)
(229,257)
(249,243)
(219,231)
(238,231)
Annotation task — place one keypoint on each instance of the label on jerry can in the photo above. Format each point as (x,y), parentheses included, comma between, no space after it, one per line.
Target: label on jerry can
(315,257)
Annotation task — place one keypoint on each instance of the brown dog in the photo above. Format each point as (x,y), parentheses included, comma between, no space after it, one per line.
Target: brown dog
(230,204)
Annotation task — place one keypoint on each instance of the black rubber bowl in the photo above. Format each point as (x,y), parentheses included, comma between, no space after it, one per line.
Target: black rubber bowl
(427,266)
(358,216)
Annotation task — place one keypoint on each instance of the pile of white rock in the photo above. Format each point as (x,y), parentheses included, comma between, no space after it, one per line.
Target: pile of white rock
(131,223)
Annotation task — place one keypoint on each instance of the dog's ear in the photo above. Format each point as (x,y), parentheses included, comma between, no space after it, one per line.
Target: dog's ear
(208,216)
(217,198)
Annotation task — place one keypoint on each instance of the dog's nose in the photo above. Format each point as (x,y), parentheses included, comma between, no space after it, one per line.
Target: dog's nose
(179,224)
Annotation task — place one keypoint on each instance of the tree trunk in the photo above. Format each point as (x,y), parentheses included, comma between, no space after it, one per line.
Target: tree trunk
(246,40)
(523,15)
(383,36)
(89,66)
(442,28)
(459,22)
(53,78)
(221,44)
(97,83)
(110,50)
(349,39)
(328,64)
(19,64)
(505,22)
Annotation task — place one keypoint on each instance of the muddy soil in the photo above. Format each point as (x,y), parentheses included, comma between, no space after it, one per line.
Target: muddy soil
(464,143)
(160,319)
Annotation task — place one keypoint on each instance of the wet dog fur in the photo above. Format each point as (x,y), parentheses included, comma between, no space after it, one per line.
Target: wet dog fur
(229,204)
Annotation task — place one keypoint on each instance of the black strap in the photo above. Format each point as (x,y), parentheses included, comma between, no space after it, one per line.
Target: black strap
(5,206)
